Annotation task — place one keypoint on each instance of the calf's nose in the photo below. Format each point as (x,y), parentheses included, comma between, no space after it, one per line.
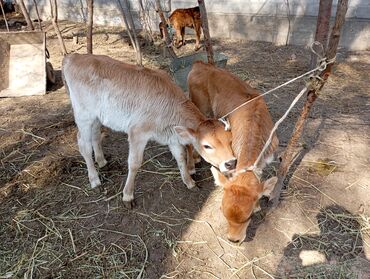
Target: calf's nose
(230,165)
(233,240)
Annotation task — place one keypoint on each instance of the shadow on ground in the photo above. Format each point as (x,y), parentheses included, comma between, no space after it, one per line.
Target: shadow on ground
(329,254)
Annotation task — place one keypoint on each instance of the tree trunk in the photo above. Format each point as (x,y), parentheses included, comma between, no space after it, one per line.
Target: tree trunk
(25,14)
(54,15)
(322,27)
(38,14)
(165,30)
(132,26)
(207,37)
(289,154)
(89,34)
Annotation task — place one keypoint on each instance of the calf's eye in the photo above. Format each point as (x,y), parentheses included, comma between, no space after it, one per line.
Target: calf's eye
(206,146)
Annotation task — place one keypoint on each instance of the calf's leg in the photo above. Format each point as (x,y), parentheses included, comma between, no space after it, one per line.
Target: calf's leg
(84,139)
(137,143)
(178,36)
(178,151)
(197,38)
(96,143)
(190,159)
(183,35)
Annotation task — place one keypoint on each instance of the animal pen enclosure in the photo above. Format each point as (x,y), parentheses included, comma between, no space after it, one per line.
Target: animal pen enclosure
(51,225)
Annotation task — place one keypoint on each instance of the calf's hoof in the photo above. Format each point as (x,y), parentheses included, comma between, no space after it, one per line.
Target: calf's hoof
(102,163)
(129,204)
(195,189)
(192,171)
(94,182)
(128,201)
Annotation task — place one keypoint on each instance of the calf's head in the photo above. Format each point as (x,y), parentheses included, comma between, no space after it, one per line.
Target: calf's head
(212,142)
(240,199)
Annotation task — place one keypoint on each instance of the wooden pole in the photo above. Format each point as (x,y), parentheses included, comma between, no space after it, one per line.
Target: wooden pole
(147,28)
(322,27)
(165,30)
(90,23)
(3,12)
(289,154)
(82,11)
(54,15)
(38,14)
(127,26)
(207,37)
(25,14)
(139,57)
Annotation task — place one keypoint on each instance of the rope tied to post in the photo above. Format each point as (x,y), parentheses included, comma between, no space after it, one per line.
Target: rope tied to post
(314,83)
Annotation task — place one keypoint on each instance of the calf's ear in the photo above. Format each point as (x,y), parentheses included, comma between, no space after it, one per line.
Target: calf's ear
(185,135)
(268,186)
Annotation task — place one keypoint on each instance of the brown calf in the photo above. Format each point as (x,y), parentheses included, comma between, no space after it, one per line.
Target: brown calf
(181,18)
(216,92)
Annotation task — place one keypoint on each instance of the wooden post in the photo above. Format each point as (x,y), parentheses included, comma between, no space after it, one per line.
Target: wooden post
(165,30)
(82,11)
(54,15)
(139,57)
(127,26)
(289,154)
(322,27)
(3,12)
(90,22)
(147,28)
(25,14)
(38,14)
(207,37)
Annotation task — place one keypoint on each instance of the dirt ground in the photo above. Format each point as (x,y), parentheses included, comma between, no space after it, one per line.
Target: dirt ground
(53,226)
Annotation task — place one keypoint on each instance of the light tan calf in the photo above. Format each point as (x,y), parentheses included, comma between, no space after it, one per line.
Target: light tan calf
(146,105)
(216,92)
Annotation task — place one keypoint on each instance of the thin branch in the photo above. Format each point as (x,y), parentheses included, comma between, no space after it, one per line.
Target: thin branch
(2,10)
(132,25)
(38,14)
(25,14)
(54,15)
